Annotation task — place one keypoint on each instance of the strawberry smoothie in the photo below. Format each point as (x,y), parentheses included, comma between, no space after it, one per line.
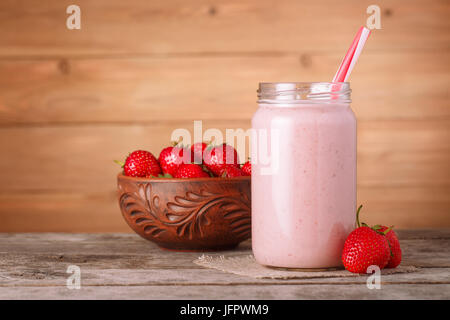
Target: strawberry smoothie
(304,193)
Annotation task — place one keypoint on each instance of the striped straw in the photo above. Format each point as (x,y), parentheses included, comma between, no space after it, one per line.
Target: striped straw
(353,53)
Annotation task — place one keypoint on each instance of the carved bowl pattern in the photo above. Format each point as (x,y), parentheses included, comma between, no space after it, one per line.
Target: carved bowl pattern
(187,214)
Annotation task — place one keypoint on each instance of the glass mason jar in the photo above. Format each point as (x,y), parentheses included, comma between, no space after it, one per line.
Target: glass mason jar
(303,174)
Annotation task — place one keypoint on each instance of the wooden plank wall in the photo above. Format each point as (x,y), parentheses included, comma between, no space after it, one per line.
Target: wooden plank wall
(71,101)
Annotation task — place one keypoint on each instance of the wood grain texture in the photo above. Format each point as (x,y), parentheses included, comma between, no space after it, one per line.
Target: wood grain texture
(251,292)
(136,90)
(403,207)
(72,101)
(67,182)
(126,266)
(176,26)
(66,158)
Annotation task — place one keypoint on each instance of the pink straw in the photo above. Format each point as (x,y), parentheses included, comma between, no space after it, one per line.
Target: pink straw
(352,55)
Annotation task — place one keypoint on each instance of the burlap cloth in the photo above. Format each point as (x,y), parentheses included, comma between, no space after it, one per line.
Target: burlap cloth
(247,266)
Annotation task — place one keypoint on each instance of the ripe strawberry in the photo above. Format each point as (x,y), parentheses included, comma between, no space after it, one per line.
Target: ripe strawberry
(247,168)
(190,170)
(141,163)
(171,158)
(364,247)
(230,171)
(394,244)
(216,158)
(197,151)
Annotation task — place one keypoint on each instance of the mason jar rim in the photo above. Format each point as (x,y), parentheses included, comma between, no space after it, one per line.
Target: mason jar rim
(304,92)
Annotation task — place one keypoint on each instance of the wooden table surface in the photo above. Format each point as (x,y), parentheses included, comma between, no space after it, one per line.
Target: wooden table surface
(124,266)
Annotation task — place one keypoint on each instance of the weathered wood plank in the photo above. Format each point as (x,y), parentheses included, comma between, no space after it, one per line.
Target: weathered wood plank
(251,292)
(405,207)
(149,63)
(154,90)
(426,253)
(403,153)
(90,211)
(421,234)
(127,267)
(55,275)
(110,27)
(94,244)
(60,179)
(62,212)
(98,248)
(410,154)
(80,158)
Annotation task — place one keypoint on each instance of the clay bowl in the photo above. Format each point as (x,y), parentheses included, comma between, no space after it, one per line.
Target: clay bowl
(199,214)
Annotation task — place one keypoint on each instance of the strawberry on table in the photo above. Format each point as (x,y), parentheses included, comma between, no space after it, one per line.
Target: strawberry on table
(364,247)
(171,158)
(190,170)
(216,158)
(141,163)
(230,171)
(394,244)
(247,168)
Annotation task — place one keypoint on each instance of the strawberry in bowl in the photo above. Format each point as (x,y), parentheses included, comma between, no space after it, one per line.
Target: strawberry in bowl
(187,206)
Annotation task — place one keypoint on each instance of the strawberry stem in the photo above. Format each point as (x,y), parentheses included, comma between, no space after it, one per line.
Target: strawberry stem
(120,163)
(357,216)
(176,143)
(205,168)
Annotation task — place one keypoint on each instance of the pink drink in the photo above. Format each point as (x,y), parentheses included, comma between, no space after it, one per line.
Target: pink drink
(304,209)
